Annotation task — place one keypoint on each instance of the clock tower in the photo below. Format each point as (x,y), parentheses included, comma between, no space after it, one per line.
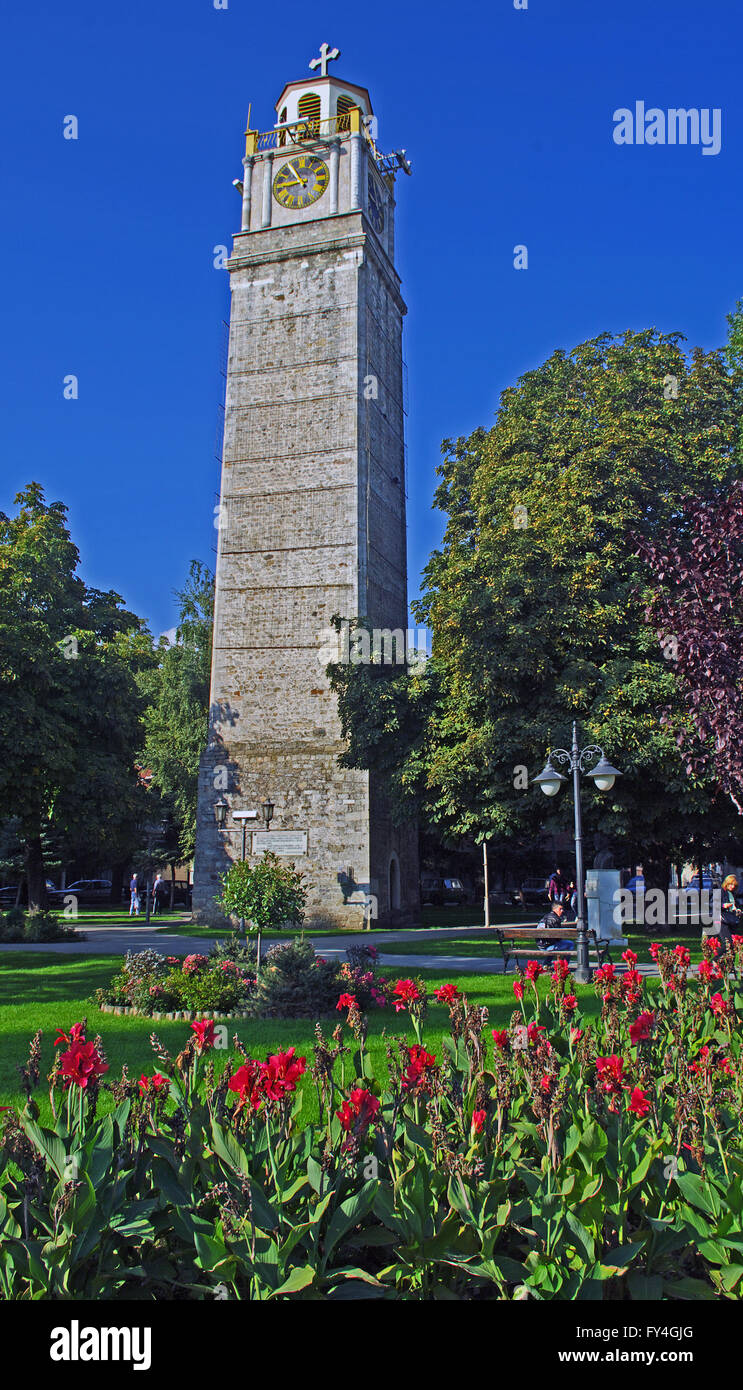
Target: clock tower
(311,520)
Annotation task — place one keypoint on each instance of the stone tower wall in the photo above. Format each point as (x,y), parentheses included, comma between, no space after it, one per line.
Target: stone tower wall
(312,524)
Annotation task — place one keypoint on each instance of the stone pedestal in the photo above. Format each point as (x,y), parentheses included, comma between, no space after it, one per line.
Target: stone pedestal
(602,898)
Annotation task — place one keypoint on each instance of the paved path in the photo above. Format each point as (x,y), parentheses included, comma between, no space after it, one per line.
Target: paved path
(115,939)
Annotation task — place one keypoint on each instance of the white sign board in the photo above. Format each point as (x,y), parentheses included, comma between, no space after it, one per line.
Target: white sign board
(287,843)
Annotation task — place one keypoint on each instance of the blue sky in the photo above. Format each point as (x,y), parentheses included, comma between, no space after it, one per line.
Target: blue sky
(106,242)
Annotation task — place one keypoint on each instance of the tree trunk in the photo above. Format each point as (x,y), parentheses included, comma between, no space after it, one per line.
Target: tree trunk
(117,884)
(657,874)
(35,876)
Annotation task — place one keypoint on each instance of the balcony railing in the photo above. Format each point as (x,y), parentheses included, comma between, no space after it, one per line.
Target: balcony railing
(306,131)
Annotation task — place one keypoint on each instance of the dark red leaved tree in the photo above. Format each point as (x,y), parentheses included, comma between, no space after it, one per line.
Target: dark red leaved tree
(697,610)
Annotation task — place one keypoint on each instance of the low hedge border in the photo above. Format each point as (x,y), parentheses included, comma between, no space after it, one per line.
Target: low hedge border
(186,1015)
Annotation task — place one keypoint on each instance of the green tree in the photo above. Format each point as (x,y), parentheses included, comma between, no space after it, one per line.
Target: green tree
(536,603)
(267,894)
(69,702)
(177,715)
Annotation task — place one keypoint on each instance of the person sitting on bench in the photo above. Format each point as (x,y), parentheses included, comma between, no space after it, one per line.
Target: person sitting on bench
(552,922)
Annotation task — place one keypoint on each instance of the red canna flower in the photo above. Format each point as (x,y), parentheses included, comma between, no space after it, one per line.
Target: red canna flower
(406,992)
(640,1030)
(533,1030)
(682,955)
(630,957)
(358,1111)
(560,970)
(281,1073)
(605,974)
(654,948)
(419,1063)
(76,1035)
(709,970)
(205,1034)
(247,1083)
(638,1103)
(533,970)
(726,1066)
(518,989)
(81,1065)
(569,1003)
(719,1006)
(500,1038)
(478,1120)
(156,1082)
(631,984)
(546,1082)
(610,1072)
(346,1001)
(576,1034)
(446,994)
(701,1066)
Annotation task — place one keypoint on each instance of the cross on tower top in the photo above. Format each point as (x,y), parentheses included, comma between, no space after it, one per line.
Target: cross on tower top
(327,55)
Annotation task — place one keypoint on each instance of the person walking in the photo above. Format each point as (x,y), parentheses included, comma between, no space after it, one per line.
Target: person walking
(133,896)
(556,887)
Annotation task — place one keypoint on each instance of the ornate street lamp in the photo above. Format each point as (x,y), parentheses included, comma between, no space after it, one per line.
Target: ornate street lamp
(603,775)
(220,813)
(267,810)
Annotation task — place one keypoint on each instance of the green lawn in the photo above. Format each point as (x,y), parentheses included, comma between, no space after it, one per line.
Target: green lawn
(50,991)
(111,917)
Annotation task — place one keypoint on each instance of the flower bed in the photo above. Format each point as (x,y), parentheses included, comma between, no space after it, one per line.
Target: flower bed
(556,1158)
(295,983)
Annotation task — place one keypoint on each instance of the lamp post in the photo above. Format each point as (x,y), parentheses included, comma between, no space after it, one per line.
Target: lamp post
(603,775)
(242,817)
(267,810)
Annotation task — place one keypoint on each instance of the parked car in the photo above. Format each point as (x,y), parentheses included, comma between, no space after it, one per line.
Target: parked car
(87,890)
(438,891)
(9,894)
(503,897)
(534,892)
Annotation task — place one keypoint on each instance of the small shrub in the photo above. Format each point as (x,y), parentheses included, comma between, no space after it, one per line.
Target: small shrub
(238,951)
(266,894)
(296,983)
(35,927)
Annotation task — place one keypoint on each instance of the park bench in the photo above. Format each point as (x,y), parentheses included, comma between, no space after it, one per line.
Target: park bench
(597,948)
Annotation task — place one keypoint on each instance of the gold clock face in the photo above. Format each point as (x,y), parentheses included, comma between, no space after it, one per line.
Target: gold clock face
(301,182)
